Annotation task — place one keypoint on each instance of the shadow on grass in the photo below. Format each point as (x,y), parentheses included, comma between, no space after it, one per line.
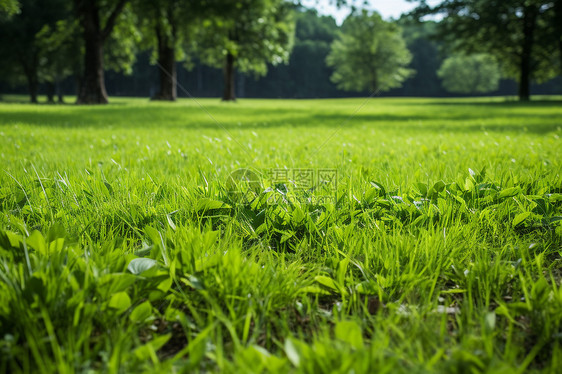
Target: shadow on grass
(468,117)
(541,103)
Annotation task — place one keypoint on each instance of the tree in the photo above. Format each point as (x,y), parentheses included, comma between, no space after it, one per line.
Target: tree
(306,74)
(98,19)
(516,32)
(556,29)
(426,58)
(247,35)
(167,25)
(8,8)
(313,36)
(20,40)
(370,54)
(60,49)
(479,73)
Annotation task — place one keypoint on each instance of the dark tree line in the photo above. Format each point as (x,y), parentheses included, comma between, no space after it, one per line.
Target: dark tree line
(253,48)
(524,35)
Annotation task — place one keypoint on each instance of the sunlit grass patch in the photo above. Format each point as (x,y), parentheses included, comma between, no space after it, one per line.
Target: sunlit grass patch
(123,248)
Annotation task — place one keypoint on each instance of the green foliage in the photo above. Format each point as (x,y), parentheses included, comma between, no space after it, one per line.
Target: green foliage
(255,32)
(8,8)
(60,49)
(22,45)
(122,46)
(479,73)
(311,26)
(369,55)
(306,74)
(122,250)
(523,35)
(426,57)
(174,20)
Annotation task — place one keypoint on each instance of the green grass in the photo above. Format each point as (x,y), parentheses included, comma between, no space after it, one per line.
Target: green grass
(124,249)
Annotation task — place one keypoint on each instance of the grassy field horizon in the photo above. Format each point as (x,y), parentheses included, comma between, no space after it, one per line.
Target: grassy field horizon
(363,235)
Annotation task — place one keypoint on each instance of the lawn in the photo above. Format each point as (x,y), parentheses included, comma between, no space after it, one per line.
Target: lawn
(349,235)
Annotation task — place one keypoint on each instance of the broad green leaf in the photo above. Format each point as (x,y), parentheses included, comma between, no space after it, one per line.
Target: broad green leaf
(438,186)
(114,282)
(145,352)
(141,312)
(509,192)
(120,301)
(423,188)
(37,242)
(520,218)
(491,320)
(165,285)
(342,269)
(153,234)
(379,187)
(286,236)
(555,197)
(193,282)
(292,352)
(326,281)
(349,332)
(205,204)
(10,239)
(314,290)
(141,264)
(366,287)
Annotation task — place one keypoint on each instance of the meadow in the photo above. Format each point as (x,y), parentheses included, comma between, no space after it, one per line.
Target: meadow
(127,244)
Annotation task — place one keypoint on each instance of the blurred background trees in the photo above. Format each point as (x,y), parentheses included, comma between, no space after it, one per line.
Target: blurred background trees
(472,74)
(8,8)
(247,35)
(168,27)
(369,55)
(523,35)
(21,45)
(97,20)
(276,48)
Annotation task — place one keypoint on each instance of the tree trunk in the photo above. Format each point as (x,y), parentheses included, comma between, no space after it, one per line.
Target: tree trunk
(92,87)
(529,24)
(50,92)
(58,90)
(78,83)
(33,85)
(30,69)
(229,76)
(560,51)
(166,67)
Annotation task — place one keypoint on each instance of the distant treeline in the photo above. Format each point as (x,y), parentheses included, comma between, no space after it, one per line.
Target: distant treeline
(305,76)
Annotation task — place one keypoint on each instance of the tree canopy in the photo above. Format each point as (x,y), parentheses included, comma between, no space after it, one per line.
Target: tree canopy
(478,73)
(369,54)
(247,35)
(8,8)
(168,27)
(522,34)
(21,39)
(272,48)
